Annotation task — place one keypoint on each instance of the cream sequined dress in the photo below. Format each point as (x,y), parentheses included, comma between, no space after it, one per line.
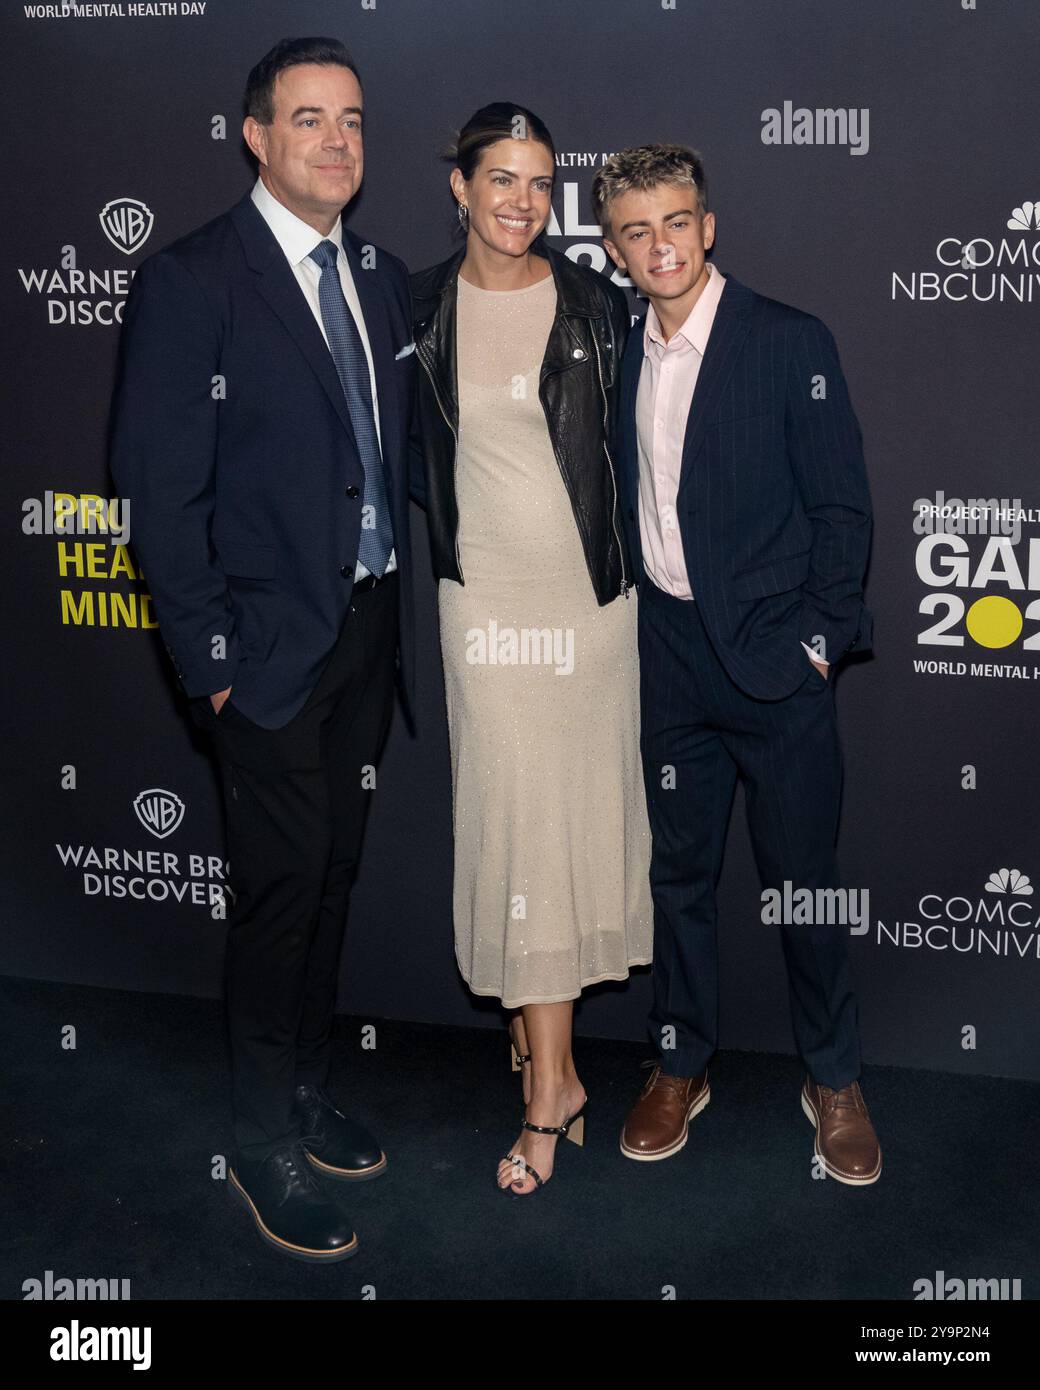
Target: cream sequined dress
(552,843)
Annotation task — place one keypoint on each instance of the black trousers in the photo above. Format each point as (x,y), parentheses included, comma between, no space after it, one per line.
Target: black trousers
(296,801)
(696,721)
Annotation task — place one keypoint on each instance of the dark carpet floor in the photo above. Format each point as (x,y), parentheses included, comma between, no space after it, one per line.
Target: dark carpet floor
(109,1151)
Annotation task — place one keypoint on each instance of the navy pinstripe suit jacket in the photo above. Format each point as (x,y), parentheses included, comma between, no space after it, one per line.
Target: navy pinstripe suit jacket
(773,504)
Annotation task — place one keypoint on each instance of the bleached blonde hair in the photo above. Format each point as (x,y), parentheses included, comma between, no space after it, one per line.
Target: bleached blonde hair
(643,167)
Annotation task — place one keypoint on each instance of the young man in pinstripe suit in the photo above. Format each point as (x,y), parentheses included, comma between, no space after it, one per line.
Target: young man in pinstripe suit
(748,516)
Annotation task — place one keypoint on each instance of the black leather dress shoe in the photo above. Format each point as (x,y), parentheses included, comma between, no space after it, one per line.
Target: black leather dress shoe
(290,1208)
(338,1147)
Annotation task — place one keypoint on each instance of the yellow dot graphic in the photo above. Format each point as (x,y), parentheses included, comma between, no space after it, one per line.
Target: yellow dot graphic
(994,621)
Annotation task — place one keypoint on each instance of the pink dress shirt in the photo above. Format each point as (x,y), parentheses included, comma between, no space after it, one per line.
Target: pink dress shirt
(666,386)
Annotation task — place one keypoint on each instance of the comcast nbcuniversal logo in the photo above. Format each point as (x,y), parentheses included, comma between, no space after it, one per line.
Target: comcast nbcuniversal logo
(1003,920)
(998,270)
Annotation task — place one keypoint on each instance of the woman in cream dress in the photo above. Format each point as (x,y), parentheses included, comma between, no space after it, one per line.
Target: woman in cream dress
(552,844)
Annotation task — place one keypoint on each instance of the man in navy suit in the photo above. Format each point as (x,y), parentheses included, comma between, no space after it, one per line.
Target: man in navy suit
(748,516)
(260,431)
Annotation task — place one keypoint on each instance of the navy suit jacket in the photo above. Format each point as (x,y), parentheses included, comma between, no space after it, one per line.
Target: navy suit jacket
(231,440)
(773,503)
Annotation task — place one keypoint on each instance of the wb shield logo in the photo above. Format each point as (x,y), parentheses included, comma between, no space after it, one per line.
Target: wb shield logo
(159,811)
(127,223)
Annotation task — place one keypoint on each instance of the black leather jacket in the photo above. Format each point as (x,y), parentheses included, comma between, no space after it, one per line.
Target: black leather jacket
(578,386)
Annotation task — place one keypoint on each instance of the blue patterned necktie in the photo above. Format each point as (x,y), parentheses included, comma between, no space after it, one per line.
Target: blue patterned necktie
(348,353)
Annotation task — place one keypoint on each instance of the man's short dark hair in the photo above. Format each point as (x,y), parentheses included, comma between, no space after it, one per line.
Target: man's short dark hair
(289,53)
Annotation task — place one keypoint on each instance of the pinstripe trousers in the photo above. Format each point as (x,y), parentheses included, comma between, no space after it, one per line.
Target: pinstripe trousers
(700,732)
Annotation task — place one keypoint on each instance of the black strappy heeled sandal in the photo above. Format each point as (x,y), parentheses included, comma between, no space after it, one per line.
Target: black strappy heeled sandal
(572,1129)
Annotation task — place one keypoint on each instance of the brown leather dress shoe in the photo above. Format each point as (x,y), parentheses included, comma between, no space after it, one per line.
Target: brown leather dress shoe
(846,1144)
(658,1124)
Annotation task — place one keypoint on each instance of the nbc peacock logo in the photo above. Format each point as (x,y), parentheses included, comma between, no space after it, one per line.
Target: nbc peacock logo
(1009,881)
(1025,219)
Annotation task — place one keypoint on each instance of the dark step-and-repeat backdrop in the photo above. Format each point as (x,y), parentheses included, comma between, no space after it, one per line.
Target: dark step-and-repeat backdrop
(873,163)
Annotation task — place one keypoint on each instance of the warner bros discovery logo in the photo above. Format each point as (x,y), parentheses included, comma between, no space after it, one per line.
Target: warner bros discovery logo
(1003,919)
(159,811)
(153,875)
(78,295)
(127,223)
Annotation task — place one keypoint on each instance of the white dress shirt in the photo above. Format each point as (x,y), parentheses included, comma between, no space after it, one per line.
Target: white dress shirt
(298,239)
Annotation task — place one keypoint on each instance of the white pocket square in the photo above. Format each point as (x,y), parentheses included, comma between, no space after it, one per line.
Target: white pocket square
(409,347)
